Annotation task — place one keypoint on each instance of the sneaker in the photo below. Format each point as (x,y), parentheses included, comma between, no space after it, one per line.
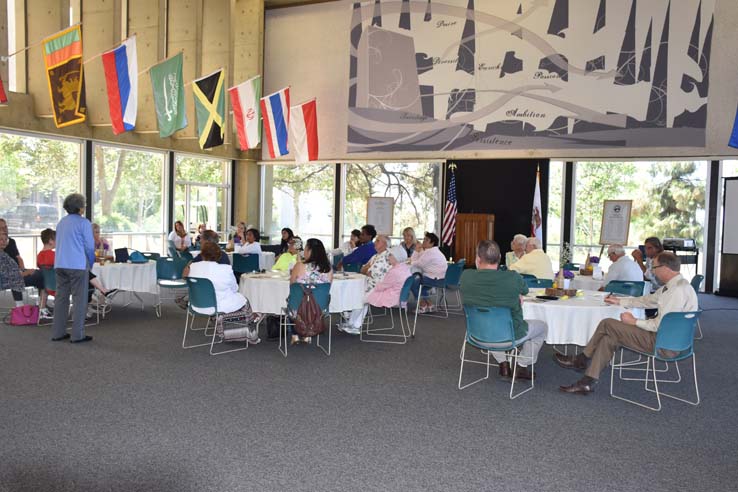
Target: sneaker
(45,313)
(91,313)
(253,337)
(307,340)
(182,302)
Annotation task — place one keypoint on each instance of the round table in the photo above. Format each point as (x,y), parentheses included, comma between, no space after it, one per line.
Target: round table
(267,292)
(131,277)
(573,320)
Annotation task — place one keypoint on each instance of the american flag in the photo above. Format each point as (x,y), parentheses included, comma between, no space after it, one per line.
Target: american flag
(449,213)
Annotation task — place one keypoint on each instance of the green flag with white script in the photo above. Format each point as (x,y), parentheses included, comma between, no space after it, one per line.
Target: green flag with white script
(168,86)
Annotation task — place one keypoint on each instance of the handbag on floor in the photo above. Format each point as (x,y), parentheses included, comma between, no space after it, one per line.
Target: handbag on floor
(23,315)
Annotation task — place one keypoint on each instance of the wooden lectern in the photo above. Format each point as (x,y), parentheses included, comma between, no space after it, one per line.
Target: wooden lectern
(470,229)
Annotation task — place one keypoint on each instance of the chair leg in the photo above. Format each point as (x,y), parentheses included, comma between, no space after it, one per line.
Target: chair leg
(650,362)
(367,332)
(461,369)
(189,321)
(330,336)
(699,330)
(516,354)
(283,331)
(213,342)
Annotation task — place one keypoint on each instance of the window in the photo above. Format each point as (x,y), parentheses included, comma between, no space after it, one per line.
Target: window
(668,201)
(37,173)
(555,211)
(415,187)
(202,192)
(129,199)
(301,198)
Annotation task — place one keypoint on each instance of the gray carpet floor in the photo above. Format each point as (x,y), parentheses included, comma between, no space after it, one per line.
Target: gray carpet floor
(133,411)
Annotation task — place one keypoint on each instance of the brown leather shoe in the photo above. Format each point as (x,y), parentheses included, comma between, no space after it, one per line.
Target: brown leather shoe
(505,371)
(522,372)
(582,387)
(576,362)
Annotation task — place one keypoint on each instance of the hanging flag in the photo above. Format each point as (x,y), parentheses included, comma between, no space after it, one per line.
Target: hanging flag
(449,213)
(63,60)
(209,92)
(246,112)
(121,78)
(3,96)
(168,88)
(275,110)
(733,142)
(536,221)
(304,131)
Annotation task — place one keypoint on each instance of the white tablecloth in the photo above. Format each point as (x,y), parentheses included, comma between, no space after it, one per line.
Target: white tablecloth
(586,282)
(267,293)
(572,320)
(132,277)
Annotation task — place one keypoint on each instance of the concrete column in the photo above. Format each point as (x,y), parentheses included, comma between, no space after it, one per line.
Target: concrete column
(143,20)
(43,18)
(182,36)
(98,35)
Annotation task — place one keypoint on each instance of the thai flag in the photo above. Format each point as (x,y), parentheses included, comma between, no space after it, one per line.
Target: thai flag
(275,110)
(121,78)
(304,131)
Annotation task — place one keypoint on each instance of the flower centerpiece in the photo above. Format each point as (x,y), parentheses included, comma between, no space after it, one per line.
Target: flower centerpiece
(594,259)
(567,274)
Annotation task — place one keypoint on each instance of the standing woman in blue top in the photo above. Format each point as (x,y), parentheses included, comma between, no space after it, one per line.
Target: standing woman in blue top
(75,255)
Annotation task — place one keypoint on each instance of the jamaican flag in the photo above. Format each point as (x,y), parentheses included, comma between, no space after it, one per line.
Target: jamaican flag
(63,60)
(209,94)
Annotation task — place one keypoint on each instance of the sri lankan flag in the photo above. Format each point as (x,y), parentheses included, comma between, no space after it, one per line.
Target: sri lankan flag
(209,94)
(63,60)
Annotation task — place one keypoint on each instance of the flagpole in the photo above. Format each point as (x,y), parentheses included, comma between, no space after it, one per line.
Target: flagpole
(10,55)
(158,62)
(105,51)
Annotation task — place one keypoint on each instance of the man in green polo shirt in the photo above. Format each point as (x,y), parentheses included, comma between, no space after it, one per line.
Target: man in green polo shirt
(489,287)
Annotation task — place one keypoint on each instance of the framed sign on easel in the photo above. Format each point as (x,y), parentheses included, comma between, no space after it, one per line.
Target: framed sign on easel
(380,212)
(615,222)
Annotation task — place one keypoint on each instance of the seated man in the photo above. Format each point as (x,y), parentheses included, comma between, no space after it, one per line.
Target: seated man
(364,252)
(489,287)
(622,268)
(652,247)
(677,295)
(535,261)
(429,261)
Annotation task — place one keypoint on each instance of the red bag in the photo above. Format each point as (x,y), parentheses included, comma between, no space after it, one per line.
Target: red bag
(24,315)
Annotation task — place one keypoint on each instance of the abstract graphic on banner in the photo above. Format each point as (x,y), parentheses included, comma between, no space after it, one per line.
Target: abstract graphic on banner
(63,61)
(446,75)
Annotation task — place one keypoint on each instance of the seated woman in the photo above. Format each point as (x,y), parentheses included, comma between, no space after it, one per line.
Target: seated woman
(226,291)
(387,292)
(518,249)
(102,246)
(314,269)
(251,246)
(200,231)
(408,241)
(376,268)
(179,237)
(349,246)
(287,235)
(238,237)
(289,258)
(10,273)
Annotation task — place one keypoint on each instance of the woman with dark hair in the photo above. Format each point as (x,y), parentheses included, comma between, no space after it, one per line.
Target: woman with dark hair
(349,246)
(251,246)
(179,237)
(287,235)
(314,269)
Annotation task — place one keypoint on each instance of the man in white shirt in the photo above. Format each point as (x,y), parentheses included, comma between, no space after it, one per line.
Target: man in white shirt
(676,295)
(622,268)
(251,246)
(535,261)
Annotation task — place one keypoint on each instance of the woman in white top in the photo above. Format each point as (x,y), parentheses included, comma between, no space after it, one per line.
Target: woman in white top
(179,237)
(251,246)
(228,298)
(349,246)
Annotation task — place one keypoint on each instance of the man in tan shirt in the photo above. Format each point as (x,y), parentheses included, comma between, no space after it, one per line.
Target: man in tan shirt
(676,295)
(535,261)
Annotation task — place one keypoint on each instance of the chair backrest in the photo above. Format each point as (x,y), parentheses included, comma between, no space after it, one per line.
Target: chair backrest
(151,256)
(676,333)
(337,258)
(411,283)
(697,282)
(245,263)
(169,268)
(490,325)
(502,268)
(171,249)
(527,275)
(571,267)
(321,292)
(538,283)
(352,267)
(185,255)
(49,275)
(202,293)
(453,274)
(628,288)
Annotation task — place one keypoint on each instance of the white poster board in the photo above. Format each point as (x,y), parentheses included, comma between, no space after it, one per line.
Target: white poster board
(379,213)
(730,217)
(615,222)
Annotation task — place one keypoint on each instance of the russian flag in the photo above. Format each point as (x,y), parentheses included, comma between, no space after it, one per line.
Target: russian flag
(275,110)
(304,131)
(121,78)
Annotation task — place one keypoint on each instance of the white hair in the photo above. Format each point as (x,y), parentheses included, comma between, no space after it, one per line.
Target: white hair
(399,253)
(535,242)
(385,238)
(520,239)
(616,249)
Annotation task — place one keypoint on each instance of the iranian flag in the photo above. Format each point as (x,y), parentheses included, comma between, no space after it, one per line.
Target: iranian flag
(246,112)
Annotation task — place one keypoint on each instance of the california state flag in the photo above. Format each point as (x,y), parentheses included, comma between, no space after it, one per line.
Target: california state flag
(536,220)
(246,112)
